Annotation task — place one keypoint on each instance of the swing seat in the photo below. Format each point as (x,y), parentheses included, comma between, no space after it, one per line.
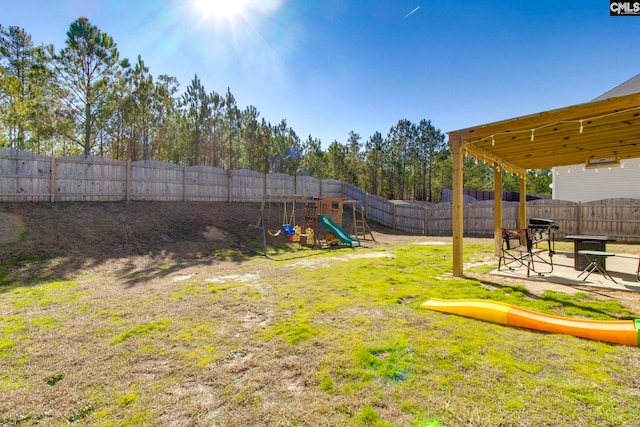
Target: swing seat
(288,229)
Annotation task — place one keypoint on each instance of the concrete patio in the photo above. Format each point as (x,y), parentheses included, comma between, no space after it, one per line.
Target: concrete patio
(622,267)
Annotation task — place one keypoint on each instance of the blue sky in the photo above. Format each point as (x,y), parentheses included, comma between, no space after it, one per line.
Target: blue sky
(332,66)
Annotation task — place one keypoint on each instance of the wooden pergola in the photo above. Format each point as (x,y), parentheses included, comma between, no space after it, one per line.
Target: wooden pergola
(600,133)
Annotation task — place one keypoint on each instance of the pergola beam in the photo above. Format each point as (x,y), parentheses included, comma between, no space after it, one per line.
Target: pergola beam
(487,157)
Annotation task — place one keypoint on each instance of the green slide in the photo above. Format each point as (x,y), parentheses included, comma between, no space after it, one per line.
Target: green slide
(337,231)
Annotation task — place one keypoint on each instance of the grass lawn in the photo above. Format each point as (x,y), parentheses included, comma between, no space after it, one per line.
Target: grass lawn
(309,338)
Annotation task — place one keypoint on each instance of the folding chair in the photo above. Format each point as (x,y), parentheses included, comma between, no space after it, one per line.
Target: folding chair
(535,253)
(514,249)
(518,251)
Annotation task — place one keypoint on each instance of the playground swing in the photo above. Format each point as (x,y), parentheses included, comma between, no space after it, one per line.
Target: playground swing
(286,227)
(278,231)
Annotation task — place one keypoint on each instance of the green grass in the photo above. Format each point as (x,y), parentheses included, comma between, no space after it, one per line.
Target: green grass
(45,293)
(377,343)
(142,330)
(310,341)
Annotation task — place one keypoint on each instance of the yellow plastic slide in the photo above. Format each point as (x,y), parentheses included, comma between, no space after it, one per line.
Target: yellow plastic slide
(616,331)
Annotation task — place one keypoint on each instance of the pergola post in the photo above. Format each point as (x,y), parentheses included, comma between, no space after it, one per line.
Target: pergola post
(497,208)
(457,207)
(522,205)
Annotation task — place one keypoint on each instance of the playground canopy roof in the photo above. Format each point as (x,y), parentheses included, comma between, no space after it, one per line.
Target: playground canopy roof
(603,131)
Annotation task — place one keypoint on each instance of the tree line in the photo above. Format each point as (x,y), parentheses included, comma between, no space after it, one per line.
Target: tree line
(86,100)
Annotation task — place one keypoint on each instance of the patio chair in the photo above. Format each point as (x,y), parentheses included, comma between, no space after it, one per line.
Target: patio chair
(518,250)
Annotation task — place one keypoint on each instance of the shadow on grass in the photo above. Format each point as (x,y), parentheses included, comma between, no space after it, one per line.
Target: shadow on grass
(138,241)
(554,299)
(64,240)
(27,271)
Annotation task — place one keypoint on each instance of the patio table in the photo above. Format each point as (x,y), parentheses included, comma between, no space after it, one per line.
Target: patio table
(583,242)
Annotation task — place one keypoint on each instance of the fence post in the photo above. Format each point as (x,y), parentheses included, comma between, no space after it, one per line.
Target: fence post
(467,221)
(264,184)
(229,185)
(127,190)
(426,220)
(579,218)
(366,204)
(394,216)
(52,178)
(184,183)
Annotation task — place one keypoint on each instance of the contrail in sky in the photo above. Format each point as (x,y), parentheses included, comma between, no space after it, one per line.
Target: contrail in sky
(412,12)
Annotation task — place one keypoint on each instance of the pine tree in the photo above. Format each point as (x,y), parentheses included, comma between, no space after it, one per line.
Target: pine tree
(87,68)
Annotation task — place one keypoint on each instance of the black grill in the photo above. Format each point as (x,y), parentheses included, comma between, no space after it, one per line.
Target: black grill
(543,231)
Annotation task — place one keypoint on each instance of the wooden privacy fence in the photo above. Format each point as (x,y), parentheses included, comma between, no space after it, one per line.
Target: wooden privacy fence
(617,218)
(28,177)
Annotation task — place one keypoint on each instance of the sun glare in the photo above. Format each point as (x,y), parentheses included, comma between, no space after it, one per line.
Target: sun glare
(219,9)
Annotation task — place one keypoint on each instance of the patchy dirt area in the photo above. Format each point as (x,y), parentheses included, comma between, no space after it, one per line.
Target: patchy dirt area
(103,231)
(103,238)
(141,269)
(108,237)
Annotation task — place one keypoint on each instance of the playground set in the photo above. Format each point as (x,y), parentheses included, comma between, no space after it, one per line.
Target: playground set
(321,225)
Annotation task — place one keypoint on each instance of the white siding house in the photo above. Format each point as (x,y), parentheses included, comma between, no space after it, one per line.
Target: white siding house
(578,184)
